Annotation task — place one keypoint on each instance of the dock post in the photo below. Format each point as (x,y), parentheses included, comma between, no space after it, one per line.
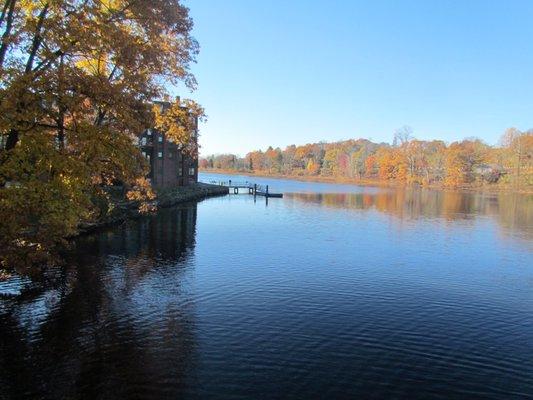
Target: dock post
(229,182)
(255,189)
(267,191)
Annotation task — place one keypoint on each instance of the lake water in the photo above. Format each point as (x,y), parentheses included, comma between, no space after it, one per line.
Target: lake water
(334,291)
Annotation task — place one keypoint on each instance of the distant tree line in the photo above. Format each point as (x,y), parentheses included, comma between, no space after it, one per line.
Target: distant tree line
(408,160)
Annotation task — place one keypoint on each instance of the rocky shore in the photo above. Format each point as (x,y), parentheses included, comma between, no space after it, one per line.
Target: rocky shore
(165,198)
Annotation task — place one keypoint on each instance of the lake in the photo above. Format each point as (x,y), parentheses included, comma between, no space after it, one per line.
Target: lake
(334,291)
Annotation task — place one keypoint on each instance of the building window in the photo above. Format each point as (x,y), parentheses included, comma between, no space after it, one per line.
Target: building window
(143,141)
(149,132)
(160,139)
(160,154)
(191,171)
(170,154)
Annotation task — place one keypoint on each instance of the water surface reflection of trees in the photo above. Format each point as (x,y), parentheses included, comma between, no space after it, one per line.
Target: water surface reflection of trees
(114,322)
(511,211)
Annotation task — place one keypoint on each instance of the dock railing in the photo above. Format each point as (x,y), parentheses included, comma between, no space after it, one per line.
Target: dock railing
(253,188)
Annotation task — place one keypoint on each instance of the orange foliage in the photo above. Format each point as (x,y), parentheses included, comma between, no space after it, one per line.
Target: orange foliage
(469,162)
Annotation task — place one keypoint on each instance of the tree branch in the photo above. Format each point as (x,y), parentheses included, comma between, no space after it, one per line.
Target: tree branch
(4,11)
(36,42)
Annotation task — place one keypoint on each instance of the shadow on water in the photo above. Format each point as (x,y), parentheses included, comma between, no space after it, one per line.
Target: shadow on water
(110,322)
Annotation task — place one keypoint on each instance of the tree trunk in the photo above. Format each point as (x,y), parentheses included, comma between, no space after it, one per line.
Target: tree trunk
(7,3)
(12,139)
(9,24)
(36,42)
(13,136)
(61,108)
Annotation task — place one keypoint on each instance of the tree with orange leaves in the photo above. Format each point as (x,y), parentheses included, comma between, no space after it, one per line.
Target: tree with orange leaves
(76,82)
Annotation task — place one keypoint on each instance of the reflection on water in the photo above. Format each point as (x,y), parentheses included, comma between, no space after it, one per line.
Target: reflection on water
(334,291)
(109,324)
(512,211)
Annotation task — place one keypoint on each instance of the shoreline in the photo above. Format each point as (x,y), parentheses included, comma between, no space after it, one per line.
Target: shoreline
(166,198)
(369,182)
(126,211)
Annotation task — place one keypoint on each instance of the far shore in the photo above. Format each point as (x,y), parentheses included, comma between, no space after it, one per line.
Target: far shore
(371,182)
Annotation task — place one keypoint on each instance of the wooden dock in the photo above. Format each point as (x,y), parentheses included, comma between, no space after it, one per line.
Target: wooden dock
(251,188)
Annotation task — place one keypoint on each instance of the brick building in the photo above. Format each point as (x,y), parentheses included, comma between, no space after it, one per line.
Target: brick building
(168,165)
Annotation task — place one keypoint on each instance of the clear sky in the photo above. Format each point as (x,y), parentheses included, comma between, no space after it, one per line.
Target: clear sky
(280,72)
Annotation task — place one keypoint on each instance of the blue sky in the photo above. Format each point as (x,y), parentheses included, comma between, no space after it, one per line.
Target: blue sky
(293,72)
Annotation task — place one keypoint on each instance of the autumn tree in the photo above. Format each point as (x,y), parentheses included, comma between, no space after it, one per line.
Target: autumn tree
(273,159)
(77,79)
(302,155)
(257,160)
(330,165)
(288,159)
(433,169)
(203,163)
(461,160)
(518,153)
(409,161)
(370,166)
(312,167)
(179,122)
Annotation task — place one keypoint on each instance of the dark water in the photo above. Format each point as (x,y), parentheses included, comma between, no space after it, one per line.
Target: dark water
(333,291)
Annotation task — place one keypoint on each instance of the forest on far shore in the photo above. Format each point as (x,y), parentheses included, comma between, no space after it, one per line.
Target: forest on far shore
(467,163)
